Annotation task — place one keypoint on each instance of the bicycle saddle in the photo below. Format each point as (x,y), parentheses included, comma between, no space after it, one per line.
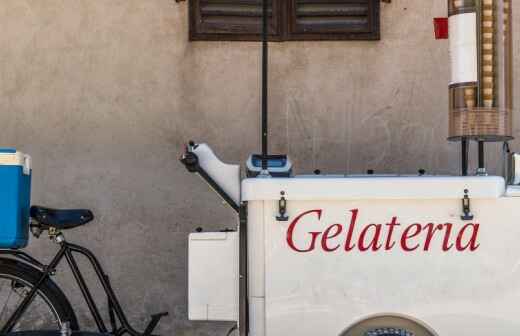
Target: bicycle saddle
(61,219)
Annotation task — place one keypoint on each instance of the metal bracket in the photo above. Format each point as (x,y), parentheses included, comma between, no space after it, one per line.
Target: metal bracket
(153,323)
(49,270)
(282,209)
(36,229)
(53,232)
(466,207)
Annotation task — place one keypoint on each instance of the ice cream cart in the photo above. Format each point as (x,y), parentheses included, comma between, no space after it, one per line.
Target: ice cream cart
(366,255)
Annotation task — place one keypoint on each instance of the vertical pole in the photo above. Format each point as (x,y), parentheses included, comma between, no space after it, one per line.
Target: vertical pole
(243,317)
(465,155)
(506,161)
(265,64)
(481,158)
(480,99)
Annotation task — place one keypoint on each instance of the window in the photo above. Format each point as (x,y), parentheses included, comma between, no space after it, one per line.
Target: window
(296,20)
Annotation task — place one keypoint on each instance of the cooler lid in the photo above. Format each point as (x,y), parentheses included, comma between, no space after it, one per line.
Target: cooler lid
(7,150)
(11,157)
(381,187)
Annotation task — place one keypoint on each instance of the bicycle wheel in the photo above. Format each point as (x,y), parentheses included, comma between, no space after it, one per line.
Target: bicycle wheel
(49,308)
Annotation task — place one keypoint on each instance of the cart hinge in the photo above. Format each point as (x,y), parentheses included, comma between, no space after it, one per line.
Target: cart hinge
(466,207)
(282,208)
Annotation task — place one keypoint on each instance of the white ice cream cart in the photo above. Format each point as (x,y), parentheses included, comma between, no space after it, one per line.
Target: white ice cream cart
(347,255)
(340,255)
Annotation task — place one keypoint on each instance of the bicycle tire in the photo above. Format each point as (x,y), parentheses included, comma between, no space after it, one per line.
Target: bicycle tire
(48,291)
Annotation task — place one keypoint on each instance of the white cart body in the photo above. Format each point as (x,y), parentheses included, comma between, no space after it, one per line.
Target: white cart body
(355,248)
(465,281)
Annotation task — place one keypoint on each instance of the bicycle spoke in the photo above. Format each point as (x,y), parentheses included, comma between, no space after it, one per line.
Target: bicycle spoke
(5,305)
(39,314)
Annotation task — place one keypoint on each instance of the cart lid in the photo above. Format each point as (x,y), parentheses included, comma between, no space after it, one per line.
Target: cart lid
(380,187)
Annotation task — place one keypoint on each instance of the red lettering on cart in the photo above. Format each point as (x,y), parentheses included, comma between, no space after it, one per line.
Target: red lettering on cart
(327,235)
(409,233)
(391,226)
(446,246)
(348,245)
(374,242)
(314,235)
(376,237)
(472,243)
(431,229)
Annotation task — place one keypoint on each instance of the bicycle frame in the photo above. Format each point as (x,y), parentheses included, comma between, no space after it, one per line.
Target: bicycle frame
(67,251)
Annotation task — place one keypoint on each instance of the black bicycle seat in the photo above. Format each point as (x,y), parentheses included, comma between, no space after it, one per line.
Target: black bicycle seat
(61,219)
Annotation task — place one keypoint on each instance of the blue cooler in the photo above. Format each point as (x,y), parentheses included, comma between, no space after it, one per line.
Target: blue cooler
(15,198)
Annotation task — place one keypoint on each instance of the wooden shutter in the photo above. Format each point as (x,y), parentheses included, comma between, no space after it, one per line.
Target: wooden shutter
(231,19)
(333,20)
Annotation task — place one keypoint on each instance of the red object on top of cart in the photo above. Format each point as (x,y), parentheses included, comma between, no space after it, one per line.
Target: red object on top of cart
(441,28)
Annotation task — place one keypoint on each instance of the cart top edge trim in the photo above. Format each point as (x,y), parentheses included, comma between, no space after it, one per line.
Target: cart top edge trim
(369,188)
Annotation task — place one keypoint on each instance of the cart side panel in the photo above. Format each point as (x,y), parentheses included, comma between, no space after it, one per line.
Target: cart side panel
(322,288)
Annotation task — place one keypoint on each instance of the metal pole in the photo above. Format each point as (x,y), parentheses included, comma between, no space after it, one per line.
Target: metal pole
(506,161)
(86,292)
(465,155)
(265,64)
(481,158)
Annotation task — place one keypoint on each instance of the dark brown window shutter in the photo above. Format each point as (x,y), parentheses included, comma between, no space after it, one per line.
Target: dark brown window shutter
(333,20)
(231,19)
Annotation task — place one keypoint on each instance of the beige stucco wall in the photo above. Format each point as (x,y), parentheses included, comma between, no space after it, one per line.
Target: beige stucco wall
(103,93)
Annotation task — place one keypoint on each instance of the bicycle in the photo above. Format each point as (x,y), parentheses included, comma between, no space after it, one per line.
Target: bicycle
(40,303)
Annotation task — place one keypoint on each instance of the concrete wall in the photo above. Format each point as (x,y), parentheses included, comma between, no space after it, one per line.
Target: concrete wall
(103,93)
